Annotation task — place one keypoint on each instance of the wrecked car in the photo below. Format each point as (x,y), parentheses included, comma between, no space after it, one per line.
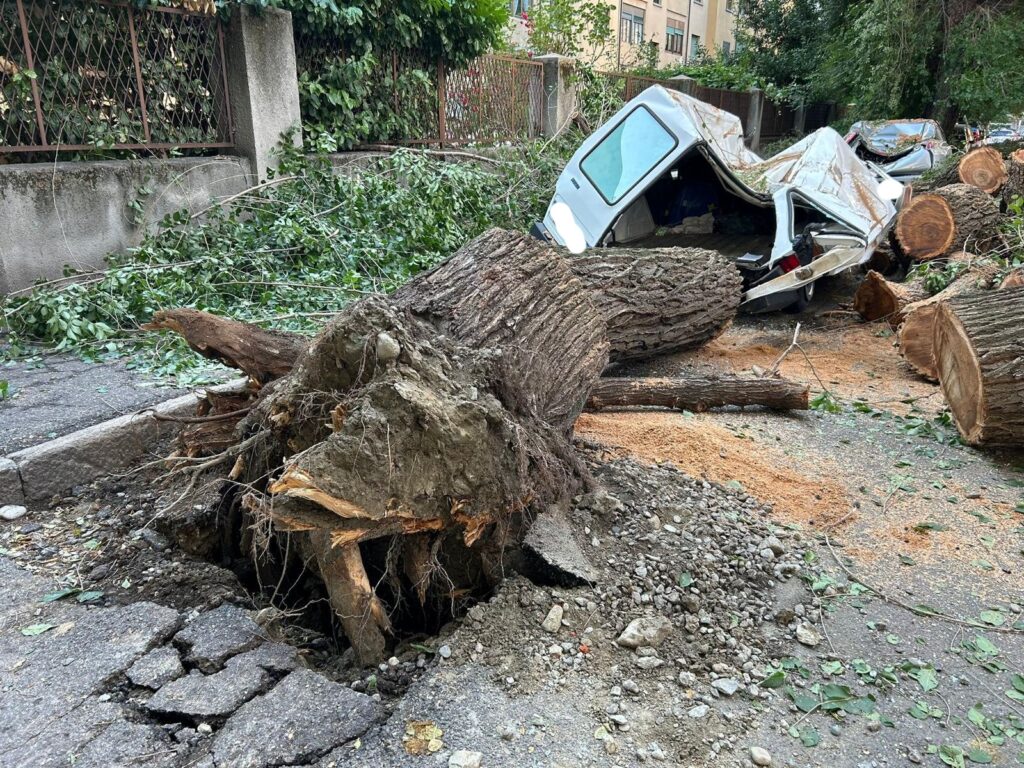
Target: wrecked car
(669,170)
(904,149)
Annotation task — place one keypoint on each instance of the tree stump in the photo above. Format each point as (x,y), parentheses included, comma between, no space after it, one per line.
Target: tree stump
(979,355)
(983,168)
(917,333)
(877,298)
(949,219)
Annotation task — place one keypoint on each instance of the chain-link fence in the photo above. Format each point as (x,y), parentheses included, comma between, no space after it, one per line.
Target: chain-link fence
(81,76)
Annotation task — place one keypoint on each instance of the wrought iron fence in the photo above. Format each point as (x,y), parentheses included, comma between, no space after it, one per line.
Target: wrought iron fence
(102,75)
(410,99)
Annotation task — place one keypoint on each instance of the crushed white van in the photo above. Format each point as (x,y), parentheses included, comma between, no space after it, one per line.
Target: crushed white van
(669,170)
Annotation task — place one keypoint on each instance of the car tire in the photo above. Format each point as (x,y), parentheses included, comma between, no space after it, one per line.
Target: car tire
(804,296)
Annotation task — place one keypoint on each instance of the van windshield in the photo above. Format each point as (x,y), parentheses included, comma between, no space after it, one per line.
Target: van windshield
(627,154)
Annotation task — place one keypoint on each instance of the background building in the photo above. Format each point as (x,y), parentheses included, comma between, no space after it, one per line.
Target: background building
(679,28)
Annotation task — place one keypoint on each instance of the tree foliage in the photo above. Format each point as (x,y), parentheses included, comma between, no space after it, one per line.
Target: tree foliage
(945,59)
(349,89)
(289,252)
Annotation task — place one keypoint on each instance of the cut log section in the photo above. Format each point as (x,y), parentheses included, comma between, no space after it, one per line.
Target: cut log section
(877,298)
(1013,279)
(979,355)
(953,218)
(917,333)
(697,394)
(983,168)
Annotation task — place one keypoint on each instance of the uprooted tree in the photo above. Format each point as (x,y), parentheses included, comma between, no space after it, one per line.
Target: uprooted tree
(409,443)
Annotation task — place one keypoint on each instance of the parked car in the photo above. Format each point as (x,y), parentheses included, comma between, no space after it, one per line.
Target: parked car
(904,149)
(1000,132)
(669,170)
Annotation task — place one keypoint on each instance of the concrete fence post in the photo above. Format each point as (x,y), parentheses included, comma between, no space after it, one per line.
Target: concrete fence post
(263,84)
(800,120)
(559,93)
(755,113)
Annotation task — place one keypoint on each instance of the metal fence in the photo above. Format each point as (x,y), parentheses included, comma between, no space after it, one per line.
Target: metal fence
(102,75)
(410,99)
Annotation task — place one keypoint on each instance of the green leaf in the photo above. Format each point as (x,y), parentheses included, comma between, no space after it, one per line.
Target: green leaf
(88,597)
(831,667)
(59,594)
(985,645)
(995,618)
(928,526)
(925,677)
(810,737)
(951,755)
(905,560)
(36,629)
(775,680)
(980,756)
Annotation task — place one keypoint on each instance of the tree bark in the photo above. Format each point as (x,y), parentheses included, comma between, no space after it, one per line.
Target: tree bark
(263,355)
(1014,186)
(917,333)
(979,357)
(660,300)
(697,394)
(983,168)
(877,298)
(947,220)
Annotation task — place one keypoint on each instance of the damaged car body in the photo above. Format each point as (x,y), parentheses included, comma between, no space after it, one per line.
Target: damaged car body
(669,170)
(904,149)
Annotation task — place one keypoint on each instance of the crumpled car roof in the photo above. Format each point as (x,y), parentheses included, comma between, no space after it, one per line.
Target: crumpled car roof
(821,167)
(892,137)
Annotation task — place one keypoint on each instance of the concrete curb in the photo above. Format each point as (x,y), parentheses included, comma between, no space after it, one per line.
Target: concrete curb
(36,474)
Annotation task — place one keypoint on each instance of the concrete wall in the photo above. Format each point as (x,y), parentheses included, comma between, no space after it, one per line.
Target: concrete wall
(77,212)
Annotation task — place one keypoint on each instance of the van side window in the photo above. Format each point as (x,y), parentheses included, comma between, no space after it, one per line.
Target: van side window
(627,154)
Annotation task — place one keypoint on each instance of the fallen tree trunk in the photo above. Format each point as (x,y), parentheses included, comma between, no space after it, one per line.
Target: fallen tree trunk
(660,300)
(1014,185)
(916,335)
(979,356)
(697,394)
(983,168)
(405,443)
(877,298)
(947,220)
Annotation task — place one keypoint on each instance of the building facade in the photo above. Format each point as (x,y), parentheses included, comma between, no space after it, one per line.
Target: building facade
(678,28)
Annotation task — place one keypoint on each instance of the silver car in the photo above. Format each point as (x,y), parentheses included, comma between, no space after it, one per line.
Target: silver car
(904,149)
(669,170)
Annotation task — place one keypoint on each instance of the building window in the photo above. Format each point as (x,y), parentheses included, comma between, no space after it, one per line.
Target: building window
(730,6)
(675,39)
(694,45)
(520,8)
(631,25)
(726,48)
(657,2)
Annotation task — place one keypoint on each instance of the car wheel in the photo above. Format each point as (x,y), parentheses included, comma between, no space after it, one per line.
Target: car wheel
(804,296)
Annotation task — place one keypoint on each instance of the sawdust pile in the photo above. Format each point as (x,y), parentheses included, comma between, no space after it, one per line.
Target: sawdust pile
(804,495)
